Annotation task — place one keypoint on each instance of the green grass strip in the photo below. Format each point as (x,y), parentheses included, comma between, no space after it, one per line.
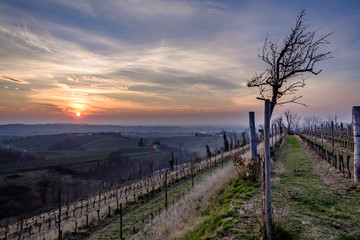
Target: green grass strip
(307,206)
(222,215)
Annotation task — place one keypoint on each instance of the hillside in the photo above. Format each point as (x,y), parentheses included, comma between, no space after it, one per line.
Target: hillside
(311,200)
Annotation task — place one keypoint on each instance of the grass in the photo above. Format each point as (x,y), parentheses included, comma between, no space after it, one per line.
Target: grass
(222,217)
(307,207)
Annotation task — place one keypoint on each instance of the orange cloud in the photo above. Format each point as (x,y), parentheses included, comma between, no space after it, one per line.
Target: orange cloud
(121,87)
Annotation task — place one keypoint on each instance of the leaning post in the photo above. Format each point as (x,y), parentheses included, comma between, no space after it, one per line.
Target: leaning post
(356,128)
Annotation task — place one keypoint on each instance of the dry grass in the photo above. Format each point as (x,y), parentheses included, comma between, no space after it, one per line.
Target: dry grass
(186,213)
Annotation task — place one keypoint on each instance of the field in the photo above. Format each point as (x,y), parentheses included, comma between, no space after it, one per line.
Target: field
(177,189)
(77,148)
(79,164)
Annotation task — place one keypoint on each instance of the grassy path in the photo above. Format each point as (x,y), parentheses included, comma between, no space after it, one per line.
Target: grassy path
(230,215)
(305,206)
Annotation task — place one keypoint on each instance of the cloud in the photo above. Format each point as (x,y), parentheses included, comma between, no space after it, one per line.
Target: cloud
(72,79)
(199,58)
(61,85)
(79,5)
(121,87)
(15,80)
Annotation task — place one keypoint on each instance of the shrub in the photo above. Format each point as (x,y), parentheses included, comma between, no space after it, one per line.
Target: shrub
(248,169)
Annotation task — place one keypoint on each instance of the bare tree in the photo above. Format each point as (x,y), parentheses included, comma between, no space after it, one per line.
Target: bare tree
(307,122)
(279,123)
(310,121)
(287,62)
(292,119)
(316,120)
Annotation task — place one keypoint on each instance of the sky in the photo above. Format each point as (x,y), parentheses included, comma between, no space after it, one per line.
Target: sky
(171,62)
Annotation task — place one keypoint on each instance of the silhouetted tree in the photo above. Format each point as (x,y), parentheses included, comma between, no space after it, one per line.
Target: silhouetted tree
(243,141)
(287,62)
(279,122)
(226,143)
(172,161)
(141,142)
(291,119)
(208,152)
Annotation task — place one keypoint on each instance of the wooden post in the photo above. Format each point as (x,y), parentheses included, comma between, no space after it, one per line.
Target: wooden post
(121,223)
(356,128)
(322,135)
(333,143)
(222,159)
(192,173)
(268,210)
(276,137)
(166,196)
(252,134)
(99,198)
(60,215)
(7,226)
(347,139)
(272,136)
(117,198)
(67,205)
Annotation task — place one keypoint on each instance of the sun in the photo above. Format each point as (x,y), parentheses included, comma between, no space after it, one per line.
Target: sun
(78,114)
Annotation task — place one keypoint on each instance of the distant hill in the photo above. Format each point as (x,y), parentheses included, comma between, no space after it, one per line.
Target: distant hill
(43,129)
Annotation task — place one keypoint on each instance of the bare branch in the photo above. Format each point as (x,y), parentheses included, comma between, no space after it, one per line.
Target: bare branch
(295,56)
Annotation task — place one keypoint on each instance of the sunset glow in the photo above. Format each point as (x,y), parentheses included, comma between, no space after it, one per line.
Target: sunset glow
(152,62)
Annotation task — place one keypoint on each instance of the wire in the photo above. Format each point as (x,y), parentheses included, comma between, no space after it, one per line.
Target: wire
(341,115)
